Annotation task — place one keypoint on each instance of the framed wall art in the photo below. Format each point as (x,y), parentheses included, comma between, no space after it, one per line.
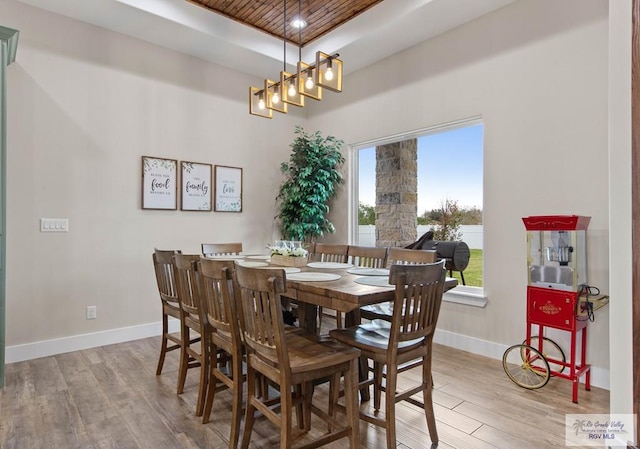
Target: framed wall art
(228,189)
(159,183)
(196,186)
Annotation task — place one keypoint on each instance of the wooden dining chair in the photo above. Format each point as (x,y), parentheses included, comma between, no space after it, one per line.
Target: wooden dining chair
(403,256)
(217,294)
(193,319)
(289,360)
(164,267)
(418,295)
(225,249)
(360,256)
(396,256)
(324,252)
(367,256)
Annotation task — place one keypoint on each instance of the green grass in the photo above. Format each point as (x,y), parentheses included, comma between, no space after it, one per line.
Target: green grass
(473,272)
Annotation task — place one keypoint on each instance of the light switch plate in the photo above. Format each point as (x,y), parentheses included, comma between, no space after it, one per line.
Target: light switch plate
(54,225)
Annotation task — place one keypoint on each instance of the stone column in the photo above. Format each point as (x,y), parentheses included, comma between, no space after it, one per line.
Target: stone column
(397,193)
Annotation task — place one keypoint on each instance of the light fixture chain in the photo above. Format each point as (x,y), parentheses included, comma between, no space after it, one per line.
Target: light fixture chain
(299,31)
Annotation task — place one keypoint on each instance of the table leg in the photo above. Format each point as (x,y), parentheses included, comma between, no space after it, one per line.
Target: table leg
(307,314)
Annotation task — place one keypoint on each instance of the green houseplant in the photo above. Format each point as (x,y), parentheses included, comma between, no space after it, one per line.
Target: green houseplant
(311,177)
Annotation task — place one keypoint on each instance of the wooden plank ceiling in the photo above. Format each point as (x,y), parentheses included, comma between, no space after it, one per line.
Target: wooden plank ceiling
(321,16)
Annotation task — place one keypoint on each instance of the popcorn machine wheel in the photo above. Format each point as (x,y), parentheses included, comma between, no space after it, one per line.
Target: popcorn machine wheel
(558,297)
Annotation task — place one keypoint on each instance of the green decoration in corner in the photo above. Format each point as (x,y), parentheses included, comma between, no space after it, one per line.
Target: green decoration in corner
(312,176)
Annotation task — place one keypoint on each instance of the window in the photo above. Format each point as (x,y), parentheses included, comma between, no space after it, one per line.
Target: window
(449,171)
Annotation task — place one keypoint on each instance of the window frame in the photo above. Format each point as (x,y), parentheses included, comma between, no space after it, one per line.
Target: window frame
(468,295)
(354,166)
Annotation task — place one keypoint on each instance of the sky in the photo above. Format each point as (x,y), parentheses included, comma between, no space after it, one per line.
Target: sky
(449,167)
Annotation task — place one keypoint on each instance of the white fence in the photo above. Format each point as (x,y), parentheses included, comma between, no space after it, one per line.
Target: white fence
(471,235)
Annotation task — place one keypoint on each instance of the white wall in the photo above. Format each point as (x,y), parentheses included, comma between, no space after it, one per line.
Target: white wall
(84,104)
(536,72)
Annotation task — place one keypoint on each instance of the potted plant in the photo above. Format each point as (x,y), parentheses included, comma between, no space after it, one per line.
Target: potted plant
(312,176)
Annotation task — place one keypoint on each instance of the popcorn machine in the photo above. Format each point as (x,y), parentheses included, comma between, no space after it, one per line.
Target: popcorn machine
(557,298)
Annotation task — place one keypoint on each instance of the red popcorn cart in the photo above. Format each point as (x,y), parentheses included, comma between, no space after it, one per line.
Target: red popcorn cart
(558,297)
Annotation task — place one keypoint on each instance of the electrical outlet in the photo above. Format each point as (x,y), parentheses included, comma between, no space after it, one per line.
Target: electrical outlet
(91,312)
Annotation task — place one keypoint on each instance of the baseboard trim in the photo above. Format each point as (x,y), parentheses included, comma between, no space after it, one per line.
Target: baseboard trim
(19,353)
(599,376)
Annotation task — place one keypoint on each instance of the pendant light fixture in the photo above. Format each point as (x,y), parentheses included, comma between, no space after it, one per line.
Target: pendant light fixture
(288,81)
(329,72)
(292,88)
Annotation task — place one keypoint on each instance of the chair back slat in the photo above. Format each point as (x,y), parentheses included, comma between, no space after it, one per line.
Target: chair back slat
(259,303)
(418,295)
(367,256)
(187,282)
(217,293)
(404,256)
(165,275)
(323,252)
(221,249)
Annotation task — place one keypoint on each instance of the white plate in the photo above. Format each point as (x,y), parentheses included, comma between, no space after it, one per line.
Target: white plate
(329,265)
(259,257)
(313,276)
(378,332)
(248,263)
(226,256)
(364,271)
(375,281)
(286,269)
(380,327)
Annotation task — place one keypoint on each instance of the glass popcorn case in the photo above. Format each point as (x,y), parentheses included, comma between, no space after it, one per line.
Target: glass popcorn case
(557,251)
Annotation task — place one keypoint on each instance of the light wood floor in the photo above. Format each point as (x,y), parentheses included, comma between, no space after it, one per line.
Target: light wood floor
(110,397)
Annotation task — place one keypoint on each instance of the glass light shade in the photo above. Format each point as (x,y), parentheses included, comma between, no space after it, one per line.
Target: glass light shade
(309,83)
(325,63)
(254,103)
(286,96)
(271,88)
(314,92)
(328,74)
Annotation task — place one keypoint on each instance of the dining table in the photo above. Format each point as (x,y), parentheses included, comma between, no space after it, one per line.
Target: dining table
(338,286)
(332,285)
